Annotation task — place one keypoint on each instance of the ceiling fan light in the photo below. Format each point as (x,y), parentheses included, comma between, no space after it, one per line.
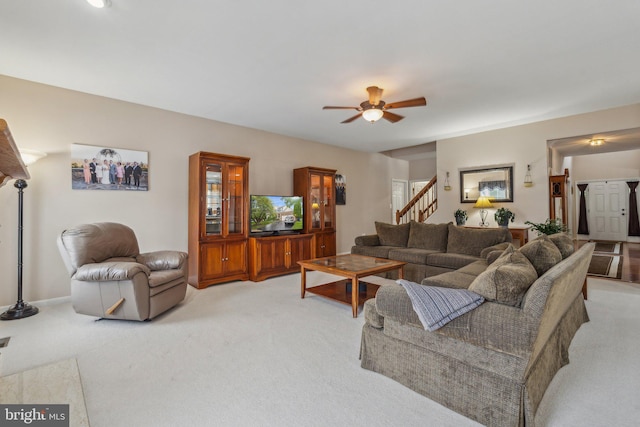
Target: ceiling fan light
(372,115)
(99,3)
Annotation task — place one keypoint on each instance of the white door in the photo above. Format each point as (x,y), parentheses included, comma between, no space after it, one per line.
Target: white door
(608,210)
(399,189)
(416,186)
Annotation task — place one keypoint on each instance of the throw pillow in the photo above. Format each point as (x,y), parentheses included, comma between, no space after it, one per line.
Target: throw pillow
(506,280)
(393,235)
(542,254)
(437,306)
(564,243)
(471,241)
(428,236)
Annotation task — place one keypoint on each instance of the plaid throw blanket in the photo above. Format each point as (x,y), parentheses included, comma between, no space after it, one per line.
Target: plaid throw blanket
(436,306)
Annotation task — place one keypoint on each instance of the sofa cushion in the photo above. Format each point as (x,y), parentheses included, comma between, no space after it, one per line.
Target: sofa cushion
(452,279)
(412,255)
(375,251)
(564,243)
(507,279)
(393,235)
(471,241)
(436,306)
(450,260)
(475,268)
(542,254)
(428,236)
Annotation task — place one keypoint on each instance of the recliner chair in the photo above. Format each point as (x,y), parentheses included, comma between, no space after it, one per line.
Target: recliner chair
(111,279)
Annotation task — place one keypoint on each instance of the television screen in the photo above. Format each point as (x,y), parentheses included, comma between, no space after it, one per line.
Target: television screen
(275,214)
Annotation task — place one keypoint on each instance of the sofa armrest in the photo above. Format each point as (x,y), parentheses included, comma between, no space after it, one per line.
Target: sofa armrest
(368,240)
(392,301)
(110,271)
(499,247)
(162,260)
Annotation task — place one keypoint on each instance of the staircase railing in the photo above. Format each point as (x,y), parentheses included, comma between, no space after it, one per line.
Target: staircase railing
(421,206)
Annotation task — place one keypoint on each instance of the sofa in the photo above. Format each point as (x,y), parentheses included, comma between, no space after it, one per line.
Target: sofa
(430,249)
(493,363)
(111,279)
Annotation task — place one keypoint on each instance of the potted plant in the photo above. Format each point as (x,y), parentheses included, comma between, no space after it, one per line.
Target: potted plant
(502,217)
(550,226)
(461,216)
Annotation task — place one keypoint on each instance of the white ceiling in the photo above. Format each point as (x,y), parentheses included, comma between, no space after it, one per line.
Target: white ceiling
(273,65)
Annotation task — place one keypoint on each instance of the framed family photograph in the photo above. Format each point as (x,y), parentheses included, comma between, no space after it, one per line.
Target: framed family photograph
(341,189)
(103,168)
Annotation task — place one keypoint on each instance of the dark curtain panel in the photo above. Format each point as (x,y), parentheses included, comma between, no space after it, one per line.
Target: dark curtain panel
(492,185)
(583,224)
(634,224)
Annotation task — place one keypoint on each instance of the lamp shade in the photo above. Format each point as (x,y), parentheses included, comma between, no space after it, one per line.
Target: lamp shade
(483,202)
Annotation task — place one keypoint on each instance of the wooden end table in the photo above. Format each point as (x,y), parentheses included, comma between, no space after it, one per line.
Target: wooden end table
(353,267)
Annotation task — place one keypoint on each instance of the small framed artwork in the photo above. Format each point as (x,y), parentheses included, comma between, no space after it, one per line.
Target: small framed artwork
(104,168)
(341,190)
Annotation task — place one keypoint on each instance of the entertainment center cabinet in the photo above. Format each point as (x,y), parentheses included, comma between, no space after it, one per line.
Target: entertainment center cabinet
(218,218)
(318,187)
(276,255)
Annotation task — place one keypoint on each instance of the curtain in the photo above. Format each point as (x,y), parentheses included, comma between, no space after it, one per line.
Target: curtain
(583,224)
(634,224)
(492,185)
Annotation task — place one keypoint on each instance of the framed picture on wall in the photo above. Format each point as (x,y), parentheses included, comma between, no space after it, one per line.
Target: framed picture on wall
(104,168)
(341,190)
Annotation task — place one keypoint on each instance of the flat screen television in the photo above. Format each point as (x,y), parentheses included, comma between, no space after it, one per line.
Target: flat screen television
(275,214)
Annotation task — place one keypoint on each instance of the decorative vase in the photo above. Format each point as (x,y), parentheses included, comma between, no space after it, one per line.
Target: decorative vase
(460,221)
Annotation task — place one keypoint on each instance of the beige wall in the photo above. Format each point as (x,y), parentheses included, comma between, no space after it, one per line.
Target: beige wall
(520,145)
(51,119)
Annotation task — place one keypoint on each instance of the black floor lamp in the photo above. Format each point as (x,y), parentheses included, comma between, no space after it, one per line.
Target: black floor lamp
(21,309)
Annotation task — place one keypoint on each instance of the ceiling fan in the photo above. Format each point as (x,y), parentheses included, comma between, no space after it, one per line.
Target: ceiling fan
(374,109)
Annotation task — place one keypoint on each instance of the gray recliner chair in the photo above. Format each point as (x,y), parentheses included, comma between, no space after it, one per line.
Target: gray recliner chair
(110,278)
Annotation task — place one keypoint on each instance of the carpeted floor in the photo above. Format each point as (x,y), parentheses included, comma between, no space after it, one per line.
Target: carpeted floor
(256,354)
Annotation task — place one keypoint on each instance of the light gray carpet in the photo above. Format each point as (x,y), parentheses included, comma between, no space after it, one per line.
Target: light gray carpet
(255,354)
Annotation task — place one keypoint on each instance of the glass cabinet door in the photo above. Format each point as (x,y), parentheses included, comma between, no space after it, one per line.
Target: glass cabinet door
(213,199)
(235,198)
(327,205)
(316,201)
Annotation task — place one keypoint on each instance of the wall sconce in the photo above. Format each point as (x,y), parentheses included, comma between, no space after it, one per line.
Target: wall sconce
(466,193)
(447,186)
(528,182)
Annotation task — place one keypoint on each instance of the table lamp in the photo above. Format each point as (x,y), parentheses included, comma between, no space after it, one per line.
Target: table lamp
(483,203)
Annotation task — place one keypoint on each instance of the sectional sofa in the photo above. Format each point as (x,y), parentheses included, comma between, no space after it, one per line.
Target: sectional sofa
(494,363)
(430,249)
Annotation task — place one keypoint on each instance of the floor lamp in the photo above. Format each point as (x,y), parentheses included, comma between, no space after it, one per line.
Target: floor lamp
(21,309)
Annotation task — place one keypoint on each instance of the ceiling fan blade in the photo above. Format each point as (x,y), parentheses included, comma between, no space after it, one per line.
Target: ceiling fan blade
(350,119)
(331,107)
(392,117)
(375,93)
(417,102)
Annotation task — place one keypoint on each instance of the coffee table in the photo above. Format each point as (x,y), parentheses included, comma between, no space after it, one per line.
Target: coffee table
(353,267)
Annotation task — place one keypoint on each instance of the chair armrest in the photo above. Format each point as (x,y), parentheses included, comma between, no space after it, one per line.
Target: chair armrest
(110,271)
(368,240)
(162,260)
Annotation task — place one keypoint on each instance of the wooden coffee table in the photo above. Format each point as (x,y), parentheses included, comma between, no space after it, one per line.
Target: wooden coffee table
(353,267)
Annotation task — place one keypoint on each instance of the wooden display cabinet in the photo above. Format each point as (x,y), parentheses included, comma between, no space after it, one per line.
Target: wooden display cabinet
(218,218)
(276,255)
(317,186)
